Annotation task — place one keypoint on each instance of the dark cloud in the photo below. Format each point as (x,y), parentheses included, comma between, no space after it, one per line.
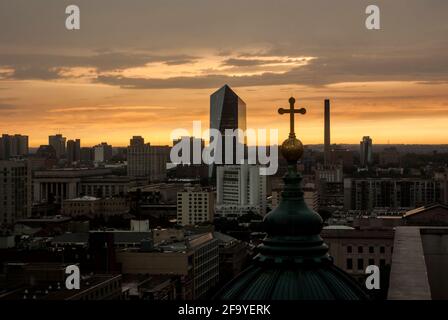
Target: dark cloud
(319,72)
(411,45)
(48,66)
(234,62)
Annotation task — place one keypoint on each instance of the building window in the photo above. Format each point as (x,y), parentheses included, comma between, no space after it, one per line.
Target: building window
(349,264)
(371,249)
(360,249)
(371,262)
(382,250)
(360,264)
(349,249)
(382,262)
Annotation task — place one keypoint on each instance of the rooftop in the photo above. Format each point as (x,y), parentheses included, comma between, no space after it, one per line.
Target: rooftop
(419,261)
(424,208)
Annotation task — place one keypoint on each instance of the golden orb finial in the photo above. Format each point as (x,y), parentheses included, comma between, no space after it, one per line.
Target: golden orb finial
(292,149)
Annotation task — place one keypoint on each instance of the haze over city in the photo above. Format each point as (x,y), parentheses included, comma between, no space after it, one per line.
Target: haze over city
(117,76)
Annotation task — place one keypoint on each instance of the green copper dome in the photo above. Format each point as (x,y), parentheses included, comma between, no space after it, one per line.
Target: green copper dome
(293,261)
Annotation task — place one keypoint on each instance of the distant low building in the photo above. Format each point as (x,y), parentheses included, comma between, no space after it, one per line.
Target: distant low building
(91,206)
(435,214)
(371,193)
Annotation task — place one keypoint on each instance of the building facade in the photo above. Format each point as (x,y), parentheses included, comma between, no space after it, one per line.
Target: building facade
(366,152)
(195,205)
(195,261)
(13,146)
(240,189)
(102,152)
(62,184)
(139,158)
(15,191)
(58,143)
(73,151)
(367,194)
(91,206)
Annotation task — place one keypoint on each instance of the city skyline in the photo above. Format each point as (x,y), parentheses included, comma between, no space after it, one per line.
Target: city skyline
(100,82)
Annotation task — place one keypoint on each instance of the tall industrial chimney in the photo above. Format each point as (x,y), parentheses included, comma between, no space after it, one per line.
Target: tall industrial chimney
(327,133)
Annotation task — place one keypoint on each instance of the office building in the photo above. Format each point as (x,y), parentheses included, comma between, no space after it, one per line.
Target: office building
(366,152)
(45,158)
(147,161)
(341,156)
(73,151)
(195,205)
(195,260)
(353,249)
(227,111)
(61,184)
(139,158)
(240,190)
(13,146)
(102,152)
(58,143)
(367,194)
(94,207)
(333,173)
(15,191)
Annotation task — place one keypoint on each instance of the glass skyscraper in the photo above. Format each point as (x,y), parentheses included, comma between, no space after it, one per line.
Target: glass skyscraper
(227,111)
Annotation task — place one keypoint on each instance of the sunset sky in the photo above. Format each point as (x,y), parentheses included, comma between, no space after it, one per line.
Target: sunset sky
(147,67)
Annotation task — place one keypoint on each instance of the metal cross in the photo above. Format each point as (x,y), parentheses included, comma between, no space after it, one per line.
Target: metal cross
(291,112)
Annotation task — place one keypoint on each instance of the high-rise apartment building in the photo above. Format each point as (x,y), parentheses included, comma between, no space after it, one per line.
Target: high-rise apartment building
(366,152)
(58,143)
(139,157)
(240,190)
(195,205)
(102,152)
(13,146)
(15,191)
(145,160)
(73,151)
